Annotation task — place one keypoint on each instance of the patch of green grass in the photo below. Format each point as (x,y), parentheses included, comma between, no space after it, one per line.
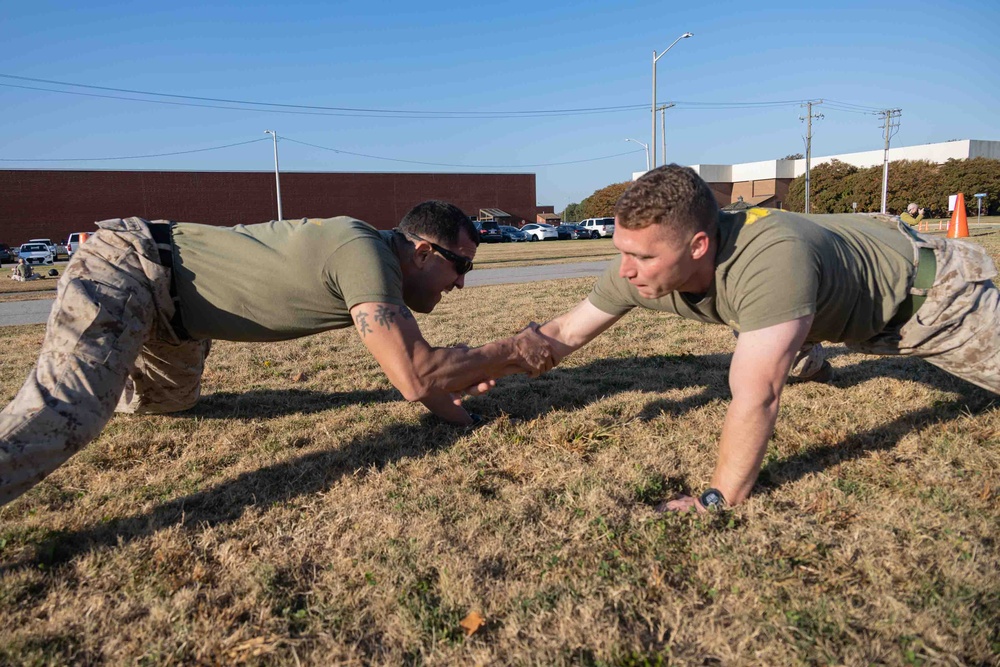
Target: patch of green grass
(435,619)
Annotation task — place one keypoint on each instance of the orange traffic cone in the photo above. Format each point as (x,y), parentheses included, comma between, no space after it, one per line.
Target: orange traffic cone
(958,228)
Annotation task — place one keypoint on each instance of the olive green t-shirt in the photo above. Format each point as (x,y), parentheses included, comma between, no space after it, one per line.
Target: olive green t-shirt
(850,271)
(282,279)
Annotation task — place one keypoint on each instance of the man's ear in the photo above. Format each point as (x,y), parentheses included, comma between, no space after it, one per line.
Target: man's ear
(700,245)
(420,252)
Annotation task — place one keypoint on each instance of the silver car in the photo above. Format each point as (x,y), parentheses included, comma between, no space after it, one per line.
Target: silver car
(35,253)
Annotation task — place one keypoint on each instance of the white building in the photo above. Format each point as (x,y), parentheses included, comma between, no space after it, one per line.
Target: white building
(766,183)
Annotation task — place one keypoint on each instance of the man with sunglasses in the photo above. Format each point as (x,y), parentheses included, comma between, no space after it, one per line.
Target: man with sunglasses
(140,303)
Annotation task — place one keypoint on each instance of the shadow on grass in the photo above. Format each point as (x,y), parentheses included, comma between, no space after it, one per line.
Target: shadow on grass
(973,401)
(317,472)
(267,403)
(261,488)
(578,386)
(565,388)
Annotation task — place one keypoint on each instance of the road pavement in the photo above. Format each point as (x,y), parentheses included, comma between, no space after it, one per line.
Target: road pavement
(37,311)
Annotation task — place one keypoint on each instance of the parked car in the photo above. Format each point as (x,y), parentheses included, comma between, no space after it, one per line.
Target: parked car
(35,253)
(489,231)
(7,255)
(512,234)
(540,232)
(599,226)
(569,231)
(581,231)
(54,248)
(73,242)
(48,244)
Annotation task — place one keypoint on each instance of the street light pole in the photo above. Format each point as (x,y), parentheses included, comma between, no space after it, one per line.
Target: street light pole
(277,181)
(653,109)
(647,150)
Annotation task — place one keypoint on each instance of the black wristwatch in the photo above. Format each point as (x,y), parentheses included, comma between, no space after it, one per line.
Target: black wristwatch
(713,499)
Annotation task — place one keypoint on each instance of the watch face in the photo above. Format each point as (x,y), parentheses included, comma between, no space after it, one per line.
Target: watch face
(712,499)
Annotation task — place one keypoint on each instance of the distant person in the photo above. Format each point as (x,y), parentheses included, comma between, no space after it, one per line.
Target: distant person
(786,282)
(913,215)
(22,271)
(139,304)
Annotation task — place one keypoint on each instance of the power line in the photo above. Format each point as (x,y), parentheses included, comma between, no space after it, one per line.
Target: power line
(129,157)
(402,114)
(850,104)
(325,148)
(466,166)
(305,107)
(319,110)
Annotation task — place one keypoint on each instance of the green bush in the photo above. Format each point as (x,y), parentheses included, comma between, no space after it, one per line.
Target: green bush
(834,186)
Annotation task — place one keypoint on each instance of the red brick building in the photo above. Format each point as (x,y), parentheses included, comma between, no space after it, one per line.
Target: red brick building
(53,204)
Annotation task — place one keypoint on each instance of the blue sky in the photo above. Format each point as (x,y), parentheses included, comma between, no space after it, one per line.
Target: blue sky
(937,61)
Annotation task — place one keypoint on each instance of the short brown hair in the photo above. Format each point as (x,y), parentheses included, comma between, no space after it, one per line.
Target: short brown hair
(440,221)
(671,195)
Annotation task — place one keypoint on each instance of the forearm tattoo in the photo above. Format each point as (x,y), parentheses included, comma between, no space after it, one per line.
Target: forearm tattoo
(384,316)
(361,320)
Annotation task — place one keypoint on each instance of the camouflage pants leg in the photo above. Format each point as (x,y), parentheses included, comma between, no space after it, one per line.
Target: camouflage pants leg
(110,298)
(958,327)
(165,378)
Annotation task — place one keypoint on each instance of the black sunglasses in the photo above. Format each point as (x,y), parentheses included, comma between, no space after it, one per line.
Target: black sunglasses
(462,264)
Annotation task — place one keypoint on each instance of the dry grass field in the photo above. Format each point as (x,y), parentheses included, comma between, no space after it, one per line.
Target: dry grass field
(304,514)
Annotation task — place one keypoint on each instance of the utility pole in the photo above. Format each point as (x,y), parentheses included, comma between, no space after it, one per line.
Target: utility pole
(277,180)
(663,129)
(809,136)
(890,119)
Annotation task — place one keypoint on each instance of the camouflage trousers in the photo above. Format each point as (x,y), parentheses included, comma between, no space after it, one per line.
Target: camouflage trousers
(108,346)
(957,328)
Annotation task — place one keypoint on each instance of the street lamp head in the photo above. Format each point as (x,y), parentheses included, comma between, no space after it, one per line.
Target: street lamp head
(687,34)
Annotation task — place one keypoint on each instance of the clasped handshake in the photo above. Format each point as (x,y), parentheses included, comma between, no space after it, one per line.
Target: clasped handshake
(530,352)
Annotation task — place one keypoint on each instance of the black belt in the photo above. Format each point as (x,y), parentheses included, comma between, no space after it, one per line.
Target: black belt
(163,234)
(924,279)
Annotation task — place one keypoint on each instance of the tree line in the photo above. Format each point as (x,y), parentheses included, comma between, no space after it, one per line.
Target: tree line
(834,186)
(601,204)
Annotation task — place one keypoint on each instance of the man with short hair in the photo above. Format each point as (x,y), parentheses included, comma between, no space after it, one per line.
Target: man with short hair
(913,215)
(786,281)
(22,271)
(140,302)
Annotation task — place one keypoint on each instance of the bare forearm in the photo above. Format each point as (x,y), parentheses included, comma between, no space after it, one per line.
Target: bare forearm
(745,434)
(452,369)
(574,329)
(563,342)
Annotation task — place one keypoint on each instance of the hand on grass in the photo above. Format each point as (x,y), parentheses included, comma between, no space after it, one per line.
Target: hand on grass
(681,503)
